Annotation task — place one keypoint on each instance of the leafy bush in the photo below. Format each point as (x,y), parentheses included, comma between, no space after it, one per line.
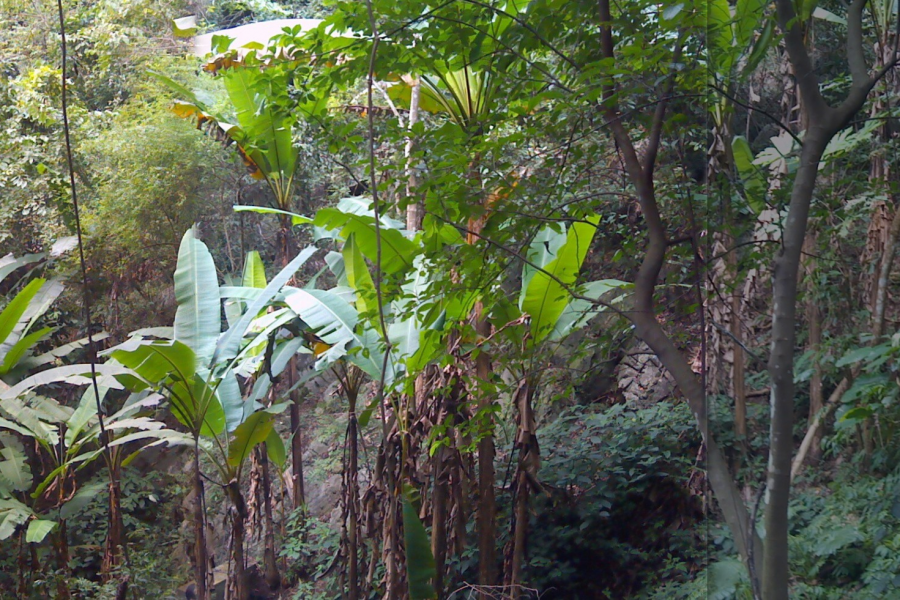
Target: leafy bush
(618,496)
(309,546)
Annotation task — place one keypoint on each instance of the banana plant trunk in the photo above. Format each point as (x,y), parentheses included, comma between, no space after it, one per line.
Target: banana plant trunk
(114,555)
(351,497)
(285,247)
(201,558)
(439,501)
(238,583)
(526,473)
(273,577)
(487,531)
(61,546)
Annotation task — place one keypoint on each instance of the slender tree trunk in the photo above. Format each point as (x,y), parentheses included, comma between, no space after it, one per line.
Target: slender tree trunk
(21,567)
(61,544)
(487,531)
(352,500)
(526,473)
(781,371)
(643,315)
(114,553)
(273,577)
(239,575)
(439,501)
(297,488)
(201,558)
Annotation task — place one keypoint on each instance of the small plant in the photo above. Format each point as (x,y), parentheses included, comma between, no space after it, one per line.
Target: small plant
(309,546)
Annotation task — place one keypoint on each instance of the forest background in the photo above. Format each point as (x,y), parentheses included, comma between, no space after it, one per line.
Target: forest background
(480,298)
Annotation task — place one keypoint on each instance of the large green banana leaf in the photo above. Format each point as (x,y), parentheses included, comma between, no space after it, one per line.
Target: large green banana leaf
(198,320)
(546,296)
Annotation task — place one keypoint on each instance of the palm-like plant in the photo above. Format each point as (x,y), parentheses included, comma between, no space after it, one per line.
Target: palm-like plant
(197,372)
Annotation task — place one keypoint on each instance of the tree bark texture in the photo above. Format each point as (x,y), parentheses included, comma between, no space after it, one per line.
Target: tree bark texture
(201,558)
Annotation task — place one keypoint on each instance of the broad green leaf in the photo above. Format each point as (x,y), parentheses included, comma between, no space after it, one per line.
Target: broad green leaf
(420,568)
(255,430)
(265,210)
(362,206)
(12,315)
(397,251)
(275,449)
(13,426)
(72,375)
(184,27)
(865,353)
(545,297)
(15,473)
(9,263)
(578,312)
(196,406)
(50,478)
(752,177)
(541,252)
(805,9)
(198,320)
(404,337)
(720,35)
(724,577)
(331,317)
(359,278)
(229,343)
(748,15)
(157,361)
(229,394)
(38,530)
(12,514)
(254,271)
(335,262)
(760,47)
(14,354)
(268,139)
(83,497)
(858,413)
(39,305)
(60,352)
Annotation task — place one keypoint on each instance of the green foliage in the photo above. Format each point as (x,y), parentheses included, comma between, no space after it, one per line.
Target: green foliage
(845,536)
(419,560)
(606,469)
(309,547)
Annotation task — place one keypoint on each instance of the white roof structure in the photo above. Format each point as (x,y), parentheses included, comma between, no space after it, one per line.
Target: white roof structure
(254,32)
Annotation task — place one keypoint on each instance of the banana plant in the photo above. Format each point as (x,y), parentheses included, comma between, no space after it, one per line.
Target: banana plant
(551,309)
(19,333)
(197,372)
(42,495)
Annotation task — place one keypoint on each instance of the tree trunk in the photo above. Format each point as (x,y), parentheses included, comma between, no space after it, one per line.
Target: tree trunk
(273,577)
(61,545)
(114,553)
(439,501)
(238,582)
(201,558)
(298,492)
(352,500)
(526,473)
(781,371)
(487,531)
(737,373)
(296,439)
